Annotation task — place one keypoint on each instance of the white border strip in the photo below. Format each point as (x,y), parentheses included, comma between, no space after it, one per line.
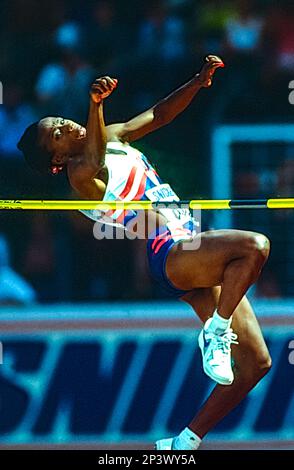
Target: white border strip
(221,166)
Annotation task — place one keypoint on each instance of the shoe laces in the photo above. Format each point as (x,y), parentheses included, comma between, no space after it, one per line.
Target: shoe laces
(225,340)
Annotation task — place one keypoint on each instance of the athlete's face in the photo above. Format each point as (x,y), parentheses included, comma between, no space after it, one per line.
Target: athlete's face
(62,138)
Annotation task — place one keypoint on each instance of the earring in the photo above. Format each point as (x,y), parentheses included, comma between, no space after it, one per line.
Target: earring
(56,169)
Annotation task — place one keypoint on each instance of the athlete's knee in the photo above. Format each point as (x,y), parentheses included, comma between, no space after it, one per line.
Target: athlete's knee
(263,363)
(257,249)
(261,368)
(255,369)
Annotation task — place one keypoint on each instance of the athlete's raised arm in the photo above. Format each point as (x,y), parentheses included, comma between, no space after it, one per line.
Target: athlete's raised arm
(82,171)
(95,147)
(168,108)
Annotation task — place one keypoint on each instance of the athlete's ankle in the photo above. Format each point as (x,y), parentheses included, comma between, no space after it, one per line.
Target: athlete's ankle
(186,440)
(219,324)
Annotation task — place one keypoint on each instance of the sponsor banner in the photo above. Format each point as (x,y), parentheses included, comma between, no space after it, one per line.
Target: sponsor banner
(108,375)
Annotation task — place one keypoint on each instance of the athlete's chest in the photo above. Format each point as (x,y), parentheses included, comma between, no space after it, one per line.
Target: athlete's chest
(120,171)
(126,174)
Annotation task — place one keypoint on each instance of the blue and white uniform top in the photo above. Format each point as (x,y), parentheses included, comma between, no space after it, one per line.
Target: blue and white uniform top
(132,178)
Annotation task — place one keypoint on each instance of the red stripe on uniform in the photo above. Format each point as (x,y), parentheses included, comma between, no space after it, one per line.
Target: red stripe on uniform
(126,189)
(129,184)
(140,193)
(162,242)
(141,189)
(159,237)
(120,219)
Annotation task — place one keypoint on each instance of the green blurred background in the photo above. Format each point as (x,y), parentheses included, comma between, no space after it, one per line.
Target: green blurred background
(50,53)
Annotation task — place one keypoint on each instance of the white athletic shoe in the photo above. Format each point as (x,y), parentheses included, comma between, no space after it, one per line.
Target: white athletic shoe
(216,354)
(164,444)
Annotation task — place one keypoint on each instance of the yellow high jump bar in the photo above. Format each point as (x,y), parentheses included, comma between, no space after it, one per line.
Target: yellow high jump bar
(220,204)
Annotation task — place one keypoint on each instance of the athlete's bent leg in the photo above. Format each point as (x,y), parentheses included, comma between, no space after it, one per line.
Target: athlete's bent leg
(251,360)
(232,259)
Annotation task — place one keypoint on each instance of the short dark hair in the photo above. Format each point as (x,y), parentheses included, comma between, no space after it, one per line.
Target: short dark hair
(36,156)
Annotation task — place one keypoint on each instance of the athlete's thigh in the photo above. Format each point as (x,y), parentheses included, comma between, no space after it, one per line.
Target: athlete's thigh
(204,265)
(252,348)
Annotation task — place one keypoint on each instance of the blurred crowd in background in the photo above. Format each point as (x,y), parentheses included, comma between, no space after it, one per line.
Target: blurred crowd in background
(51,51)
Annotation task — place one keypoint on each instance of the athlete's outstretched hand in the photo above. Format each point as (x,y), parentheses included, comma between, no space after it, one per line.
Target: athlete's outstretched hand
(102,88)
(213,62)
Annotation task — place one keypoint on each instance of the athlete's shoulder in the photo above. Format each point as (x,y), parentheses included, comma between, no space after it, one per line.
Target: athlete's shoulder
(118,146)
(115,132)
